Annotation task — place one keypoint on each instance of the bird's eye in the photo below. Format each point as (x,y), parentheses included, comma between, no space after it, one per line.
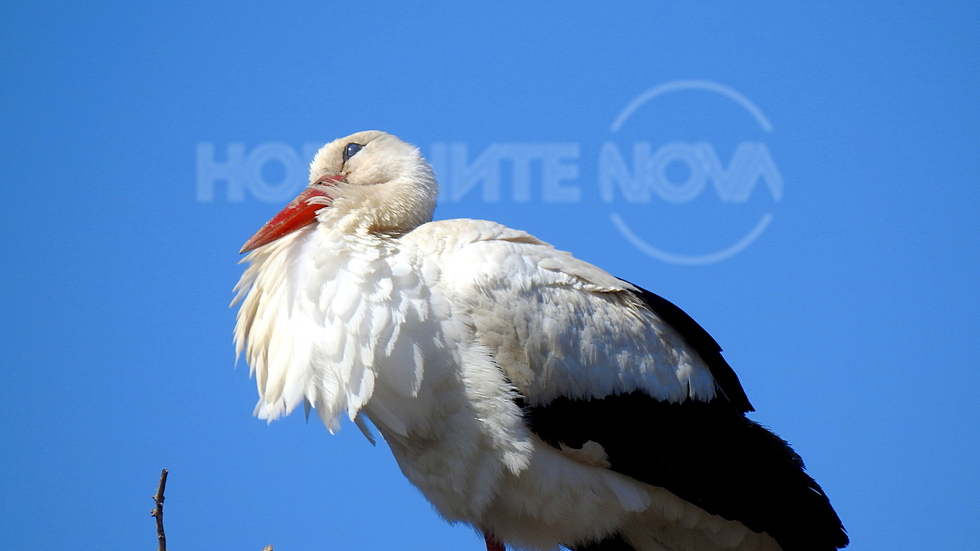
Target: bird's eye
(351,150)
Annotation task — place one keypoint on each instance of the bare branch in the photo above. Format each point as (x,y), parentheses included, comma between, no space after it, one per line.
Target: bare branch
(158,511)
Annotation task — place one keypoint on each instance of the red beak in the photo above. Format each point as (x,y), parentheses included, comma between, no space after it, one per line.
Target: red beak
(298,213)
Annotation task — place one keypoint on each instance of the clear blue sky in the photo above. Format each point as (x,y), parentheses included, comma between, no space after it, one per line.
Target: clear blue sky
(851,318)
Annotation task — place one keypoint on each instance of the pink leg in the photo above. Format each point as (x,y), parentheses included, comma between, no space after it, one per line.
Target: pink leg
(492,543)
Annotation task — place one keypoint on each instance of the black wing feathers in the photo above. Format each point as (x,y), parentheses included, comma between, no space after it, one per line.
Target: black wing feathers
(612,543)
(705,453)
(703,343)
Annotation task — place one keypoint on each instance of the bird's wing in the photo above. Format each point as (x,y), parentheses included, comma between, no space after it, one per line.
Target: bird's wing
(703,343)
(561,327)
(705,453)
(597,359)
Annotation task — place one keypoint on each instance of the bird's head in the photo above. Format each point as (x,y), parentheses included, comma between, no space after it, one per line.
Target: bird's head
(370,181)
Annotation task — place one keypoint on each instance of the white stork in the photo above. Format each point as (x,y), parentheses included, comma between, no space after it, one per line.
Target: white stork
(525,392)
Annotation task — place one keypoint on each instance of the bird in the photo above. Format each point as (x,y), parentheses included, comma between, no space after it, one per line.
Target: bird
(524,392)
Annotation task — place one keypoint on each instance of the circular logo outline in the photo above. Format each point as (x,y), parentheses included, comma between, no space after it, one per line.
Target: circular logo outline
(681,259)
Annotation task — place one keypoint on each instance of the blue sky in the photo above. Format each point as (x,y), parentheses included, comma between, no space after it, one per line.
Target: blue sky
(851,318)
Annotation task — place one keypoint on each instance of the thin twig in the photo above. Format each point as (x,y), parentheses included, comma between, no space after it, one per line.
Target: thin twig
(158,512)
